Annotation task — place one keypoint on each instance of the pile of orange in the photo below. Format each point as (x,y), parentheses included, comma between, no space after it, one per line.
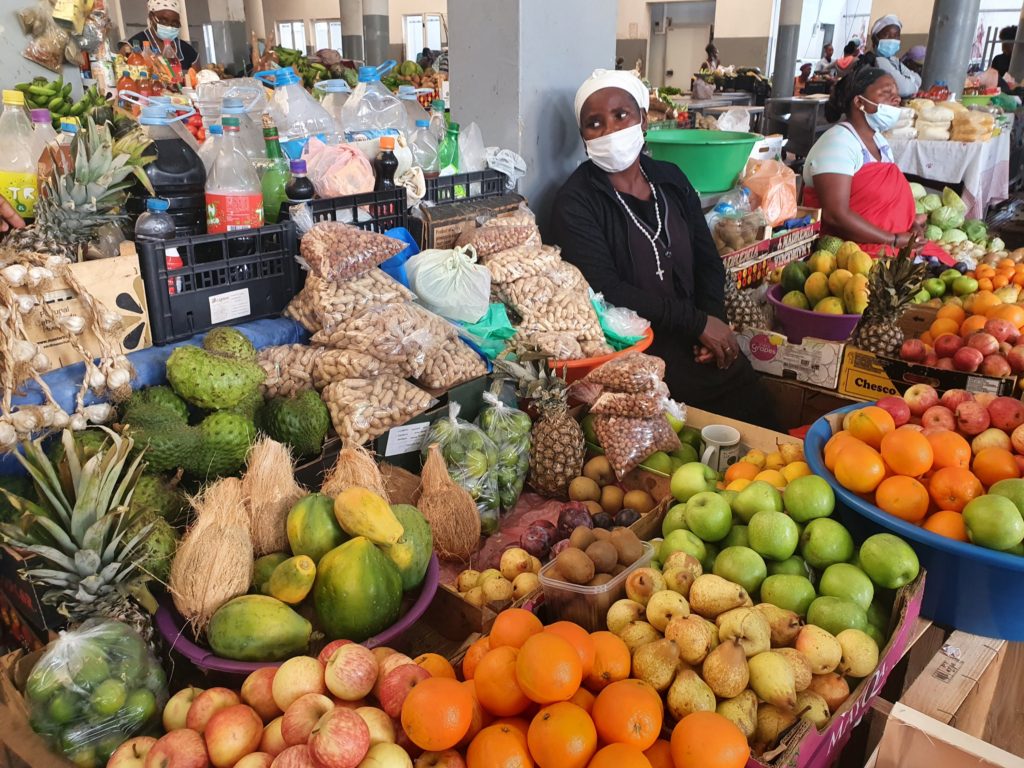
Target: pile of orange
(992,277)
(559,697)
(962,317)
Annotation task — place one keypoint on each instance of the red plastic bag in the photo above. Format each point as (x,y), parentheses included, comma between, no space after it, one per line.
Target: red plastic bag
(772,185)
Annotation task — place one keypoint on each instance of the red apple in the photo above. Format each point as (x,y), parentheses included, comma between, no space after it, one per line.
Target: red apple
(386,663)
(972,418)
(991,438)
(930,359)
(447,759)
(995,365)
(348,704)
(255,760)
(397,684)
(951,398)
(301,717)
(381,652)
(985,343)
(325,655)
(183,748)
(132,754)
(1015,357)
(984,399)
(1017,439)
(176,709)
(1004,348)
(1007,413)
(272,741)
(913,350)
(945,364)
(231,734)
(382,727)
(297,676)
(897,408)
(938,417)
(295,757)
(258,693)
(947,344)
(340,739)
(1003,330)
(920,398)
(967,359)
(915,427)
(386,756)
(351,672)
(402,739)
(207,704)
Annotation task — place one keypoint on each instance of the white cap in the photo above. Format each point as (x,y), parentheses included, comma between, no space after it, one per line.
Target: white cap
(610,78)
(889,20)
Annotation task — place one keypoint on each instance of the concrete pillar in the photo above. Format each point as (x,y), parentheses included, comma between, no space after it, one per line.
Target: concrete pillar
(352,29)
(254,18)
(1017,58)
(657,46)
(376,40)
(516,65)
(787,48)
(952,31)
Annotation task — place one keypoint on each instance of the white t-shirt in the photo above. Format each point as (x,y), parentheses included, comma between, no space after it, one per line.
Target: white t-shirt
(840,150)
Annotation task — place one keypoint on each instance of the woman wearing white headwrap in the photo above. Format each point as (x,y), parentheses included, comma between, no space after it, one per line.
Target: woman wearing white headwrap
(635,229)
(885,40)
(164,27)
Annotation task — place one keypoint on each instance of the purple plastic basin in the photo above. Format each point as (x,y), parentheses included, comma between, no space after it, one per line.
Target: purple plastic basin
(175,632)
(797,323)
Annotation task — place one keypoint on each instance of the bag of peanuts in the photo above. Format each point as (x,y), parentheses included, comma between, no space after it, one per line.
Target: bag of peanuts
(453,362)
(500,234)
(363,409)
(324,303)
(551,344)
(641,405)
(289,369)
(633,372)
(561,281)
(521,261)
(628,441)
(336,364)
(335,251)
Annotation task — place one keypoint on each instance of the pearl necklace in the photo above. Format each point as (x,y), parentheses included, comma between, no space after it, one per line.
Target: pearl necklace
(644,229)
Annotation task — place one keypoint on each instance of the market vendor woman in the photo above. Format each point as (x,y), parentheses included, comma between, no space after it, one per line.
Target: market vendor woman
(634,228)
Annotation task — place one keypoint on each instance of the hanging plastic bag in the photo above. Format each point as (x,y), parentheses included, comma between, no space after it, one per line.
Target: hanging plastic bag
(46,39)
(773,188)
(451,283)
(472,153)
(509,429)
(622,327)
(492,331)
(337,170)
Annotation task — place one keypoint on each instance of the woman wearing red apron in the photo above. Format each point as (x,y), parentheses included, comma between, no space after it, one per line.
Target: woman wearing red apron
(850,173)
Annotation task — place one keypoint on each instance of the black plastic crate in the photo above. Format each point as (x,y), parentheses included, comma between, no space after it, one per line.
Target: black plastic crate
(466,186)
(372,211)
(224,279)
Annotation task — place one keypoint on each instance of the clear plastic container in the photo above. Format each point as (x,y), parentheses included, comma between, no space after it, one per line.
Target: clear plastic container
(209,96)
(438,123)
(19,178)
(177,174)
(587,606)
(210,148)
(42,129)
(410,98)
(297,114)
(250,135)
(424,149)
(336,93)
(372,110)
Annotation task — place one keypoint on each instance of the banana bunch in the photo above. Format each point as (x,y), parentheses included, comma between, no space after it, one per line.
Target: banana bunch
(311,72)
(55,95)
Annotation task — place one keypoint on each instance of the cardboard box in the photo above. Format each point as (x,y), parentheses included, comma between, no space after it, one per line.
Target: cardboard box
(22,594)
(439,226)
(117,285)
(20,746)
(813,361)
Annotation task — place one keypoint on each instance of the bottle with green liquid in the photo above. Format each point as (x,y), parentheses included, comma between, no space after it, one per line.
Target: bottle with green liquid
(448,156)
(276,176)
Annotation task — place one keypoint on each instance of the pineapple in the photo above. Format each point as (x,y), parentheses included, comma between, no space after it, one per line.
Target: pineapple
(75,203)
(80,530)
(741,308)
(892,284)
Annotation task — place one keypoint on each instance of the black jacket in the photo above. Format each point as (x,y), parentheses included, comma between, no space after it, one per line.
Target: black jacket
(591,227)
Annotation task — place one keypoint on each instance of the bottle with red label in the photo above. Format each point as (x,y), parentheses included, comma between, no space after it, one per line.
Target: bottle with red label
(234,198)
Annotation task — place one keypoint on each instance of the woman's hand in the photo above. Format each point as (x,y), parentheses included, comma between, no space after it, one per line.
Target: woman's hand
(719,339)
(702,354)
(904,238)
(9,219)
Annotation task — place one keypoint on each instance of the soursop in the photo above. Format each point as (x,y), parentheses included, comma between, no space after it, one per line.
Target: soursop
(228,342)
(300,422)
(158,548)
(211,381)
(830,243)
(162,433)
(249,405)
(90,441)
(155,495)
(224,441)
(160,395)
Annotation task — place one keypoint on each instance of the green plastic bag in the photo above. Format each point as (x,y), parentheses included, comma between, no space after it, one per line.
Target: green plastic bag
(619,325)
(492,331)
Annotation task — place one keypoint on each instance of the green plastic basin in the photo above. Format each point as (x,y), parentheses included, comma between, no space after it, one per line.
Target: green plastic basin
(711,160)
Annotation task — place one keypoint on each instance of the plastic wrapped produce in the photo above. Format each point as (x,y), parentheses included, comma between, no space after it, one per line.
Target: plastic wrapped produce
(633,372)
(94,688)
(628,441)
(509,429)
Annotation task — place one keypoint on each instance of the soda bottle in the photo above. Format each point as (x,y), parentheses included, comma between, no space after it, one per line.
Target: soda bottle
(300,189)
(137,65)
(125,84)
(448,151)
(157,225)
(385,165)
(42,129)
(234,199)
(19,177)
(275,177)
(156,87)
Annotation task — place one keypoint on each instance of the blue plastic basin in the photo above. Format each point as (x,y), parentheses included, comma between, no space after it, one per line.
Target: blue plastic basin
(970,588)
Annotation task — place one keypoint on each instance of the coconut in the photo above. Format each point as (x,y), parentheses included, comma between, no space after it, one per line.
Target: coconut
(403,486)
(449,509)
(355,468)
(270,490)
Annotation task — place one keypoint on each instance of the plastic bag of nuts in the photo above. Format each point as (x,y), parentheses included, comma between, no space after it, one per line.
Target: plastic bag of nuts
(562,282)
(595,347)
(521,261)
(289,369)
(633,372)
(336,364)
(335,251)
(493,237)
(362,409)
(451,364)
(552,344)
(639,405)
(324,303)
(628,441)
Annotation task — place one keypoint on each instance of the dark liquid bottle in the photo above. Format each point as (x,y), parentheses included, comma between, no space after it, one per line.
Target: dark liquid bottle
(384,167)
(300,189)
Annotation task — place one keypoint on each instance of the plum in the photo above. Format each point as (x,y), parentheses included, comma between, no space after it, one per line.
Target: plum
(559,546)
(573,514)
(537,540)
(626,517)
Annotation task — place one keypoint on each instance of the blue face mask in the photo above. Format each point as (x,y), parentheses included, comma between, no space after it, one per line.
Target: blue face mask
(888,48)
(165,32)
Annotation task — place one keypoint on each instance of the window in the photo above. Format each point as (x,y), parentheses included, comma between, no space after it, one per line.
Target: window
(292,34)
(208,41)
(327,34)
(423,30)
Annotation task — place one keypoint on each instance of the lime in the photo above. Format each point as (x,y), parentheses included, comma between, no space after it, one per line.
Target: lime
(84,758)
(90,667)
(155,679)
(108,697)
(63,706)
(140,705)
(42,684)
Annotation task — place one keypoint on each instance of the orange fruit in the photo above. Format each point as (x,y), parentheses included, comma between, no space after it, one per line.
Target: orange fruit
(583,699)
(949,450)
(437,713)
(520,724)
(496,686)
(952,487)
(985,284)
(927,338)
(903,497)
(499,746)
(1012,313)
(773,477)
(870,425)
(943,325)
(474,653)
(984,300)
(952,312)
(947,523)
(611,661)
(659,755)
(436,664)
(548,669)
(1006,263)
(998,282)
(972,324)
(629,712)
(562,736)
(579,638)
(619,756)
(835,445)
(741,470)
(994,464)
(480,718)
(907,452)
(513,626)
(708,740)
(859,468)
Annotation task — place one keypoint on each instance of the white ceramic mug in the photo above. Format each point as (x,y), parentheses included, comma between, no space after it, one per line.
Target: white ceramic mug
(723,446)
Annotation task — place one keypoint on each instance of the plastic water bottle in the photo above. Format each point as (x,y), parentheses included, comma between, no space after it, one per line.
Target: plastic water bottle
(372,110)
(424,149)
(438,123)
(297,114)
(42,130)
(19,176)
(210,148)
(410,98)
(177,174)
(157,225)
(234,198)
(250,135)
(336,93)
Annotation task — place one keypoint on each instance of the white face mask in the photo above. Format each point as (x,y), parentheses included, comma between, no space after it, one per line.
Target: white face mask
(615,152)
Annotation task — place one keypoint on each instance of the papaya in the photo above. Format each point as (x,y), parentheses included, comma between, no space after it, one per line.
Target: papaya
(357,592)
(411,553)
(263,567)
(291,580)
(312,528)
(257,628)
(361,512)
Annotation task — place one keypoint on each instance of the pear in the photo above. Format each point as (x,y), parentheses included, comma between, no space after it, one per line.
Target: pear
(791,452)
(860,653)
(832,687)
(684,560)
(692,635)
(813,708)
(747,627)
(800,665)
(725,670)
(656,663)
(715,638)
(689,694)
(785,624)
(772,721)
(772,679)
(621,613)
(642,583)
(638,633)
(711,595)
(665,606)
(679,579)
(741,710)
(820,647)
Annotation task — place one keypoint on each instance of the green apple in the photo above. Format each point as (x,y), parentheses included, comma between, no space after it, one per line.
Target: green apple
(773,535)
(834,615)
(756,497)
(729,496)
(691,436)
(794,593)
(963,286)
(994,522)
(710,555)
(949,275)
(794,566)
(685,453)
(676,424)
(889,561)
(847,582)
(682,541)
(589,433)
(935,286)
(690,479)
(824,542)
(676,463)
(1012,490)
(878,615)
(737,537)
(876,634)
(809,497)
(675,519)
(659,461)
(108,697)
(743,566)
(709,516)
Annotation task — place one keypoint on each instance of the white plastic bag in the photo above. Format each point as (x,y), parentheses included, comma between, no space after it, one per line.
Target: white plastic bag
(472,154)
(451,283)
(735,119)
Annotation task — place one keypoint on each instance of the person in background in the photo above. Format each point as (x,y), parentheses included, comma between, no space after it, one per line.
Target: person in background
(712,62)
(824,65)
(801,80)
(914,59)
(165,27)
(885,42)
(620,63)
(425,59)
(846,64)
(999,69)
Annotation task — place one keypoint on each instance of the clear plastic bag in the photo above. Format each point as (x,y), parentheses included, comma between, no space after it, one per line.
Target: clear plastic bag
(364,409)
(500,235)
(472,154)
(451,283)
(772,184)
(46,39)
(322,303)
(94,688)
(335,251)
(628,441)
(337,170)
(639,405)
(623,327)
(471,457)
(336,364)
(522,261)
(509,429)
(450,364)
(633,372)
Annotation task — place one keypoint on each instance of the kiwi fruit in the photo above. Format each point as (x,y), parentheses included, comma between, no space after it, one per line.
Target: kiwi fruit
(593,508)
(599,470)
(627,545)
(575,566)
(604,555)
(617,570)
(582,537)
(597,581)
(601,534)
(641,501)
(611,499)
(584,489)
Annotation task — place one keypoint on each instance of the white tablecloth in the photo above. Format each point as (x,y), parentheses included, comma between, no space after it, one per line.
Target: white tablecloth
(982,167)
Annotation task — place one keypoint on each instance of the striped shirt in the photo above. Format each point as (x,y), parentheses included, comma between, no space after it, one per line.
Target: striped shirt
(840,150)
